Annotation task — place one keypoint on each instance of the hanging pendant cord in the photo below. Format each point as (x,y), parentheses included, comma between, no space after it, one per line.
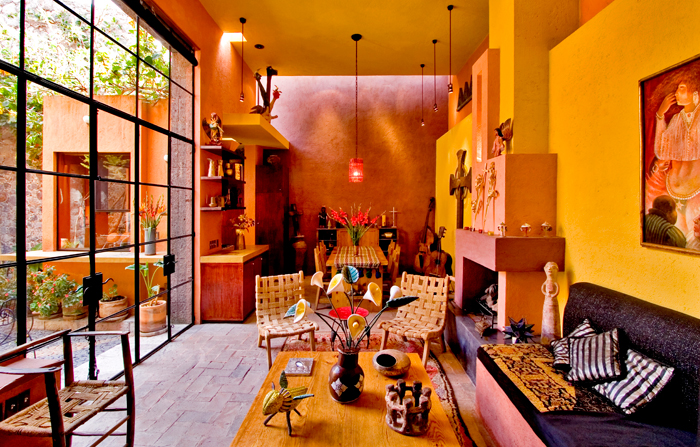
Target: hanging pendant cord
(242,52)
(422,66)
(435,69)
(449,81)
(356,124)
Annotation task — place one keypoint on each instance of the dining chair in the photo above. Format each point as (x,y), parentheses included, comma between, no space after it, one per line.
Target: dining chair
(273,296)
(64,411)
(392,268)
(425,317)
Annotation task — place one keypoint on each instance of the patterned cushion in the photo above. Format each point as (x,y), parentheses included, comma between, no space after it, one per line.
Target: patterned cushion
(595,359)
(645,379)
(561,347)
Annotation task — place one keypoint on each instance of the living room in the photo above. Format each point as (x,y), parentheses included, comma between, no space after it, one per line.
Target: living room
(572,87)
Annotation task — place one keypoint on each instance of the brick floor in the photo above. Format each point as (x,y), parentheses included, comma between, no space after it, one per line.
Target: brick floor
(196,391)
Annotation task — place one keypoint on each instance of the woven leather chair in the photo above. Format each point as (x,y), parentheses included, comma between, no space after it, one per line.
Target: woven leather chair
(63,411)
(273,296)
(423,318)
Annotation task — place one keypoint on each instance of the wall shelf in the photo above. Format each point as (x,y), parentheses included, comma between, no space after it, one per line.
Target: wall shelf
(221,208)
(218,150)
(218,179)
(252,128)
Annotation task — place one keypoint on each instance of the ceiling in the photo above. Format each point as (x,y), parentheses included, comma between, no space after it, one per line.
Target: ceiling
(312,37)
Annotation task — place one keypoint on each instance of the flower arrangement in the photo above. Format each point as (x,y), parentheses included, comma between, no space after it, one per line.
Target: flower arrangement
(153,290)
(353,329)
(48,291)
(243,222)
(357,223)
(151,212)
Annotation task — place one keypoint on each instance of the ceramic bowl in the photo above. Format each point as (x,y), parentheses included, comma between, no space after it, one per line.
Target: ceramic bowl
(391,363)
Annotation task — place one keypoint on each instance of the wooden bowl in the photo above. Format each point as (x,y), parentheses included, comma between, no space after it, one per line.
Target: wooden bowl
(391,362)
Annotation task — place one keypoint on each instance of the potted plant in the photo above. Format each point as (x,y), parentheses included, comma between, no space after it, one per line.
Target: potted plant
(48,290)
(242,224)
(357,224)
(112,303)
(73,308)
(152,313)
(150,214)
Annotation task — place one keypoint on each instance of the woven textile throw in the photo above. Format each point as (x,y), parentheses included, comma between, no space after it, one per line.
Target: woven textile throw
(529,367)
(366,258)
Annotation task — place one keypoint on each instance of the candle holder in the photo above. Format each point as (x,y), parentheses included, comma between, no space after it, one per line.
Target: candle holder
(502,227)
(525,228)
(546,229)
(408,415)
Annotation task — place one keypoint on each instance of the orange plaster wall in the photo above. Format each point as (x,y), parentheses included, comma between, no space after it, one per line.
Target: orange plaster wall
(589,8)
(458,81)
(217,88)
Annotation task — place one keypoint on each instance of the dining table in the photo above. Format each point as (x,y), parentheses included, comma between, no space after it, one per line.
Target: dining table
(371,263)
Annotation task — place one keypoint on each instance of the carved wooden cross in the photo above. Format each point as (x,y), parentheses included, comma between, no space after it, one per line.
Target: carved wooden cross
(460,182)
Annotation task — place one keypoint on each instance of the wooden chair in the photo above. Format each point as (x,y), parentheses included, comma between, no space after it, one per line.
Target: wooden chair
(423,318)
(320,262)
(273,296)
(63,411)
(392,268)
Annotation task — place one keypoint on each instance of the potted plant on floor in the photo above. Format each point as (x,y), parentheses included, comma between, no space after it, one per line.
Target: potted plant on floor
(111,303)
(73,308)
(47,292)
(152,313)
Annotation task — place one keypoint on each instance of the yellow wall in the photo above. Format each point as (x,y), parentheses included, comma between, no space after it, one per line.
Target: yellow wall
(594,127)
(459,137)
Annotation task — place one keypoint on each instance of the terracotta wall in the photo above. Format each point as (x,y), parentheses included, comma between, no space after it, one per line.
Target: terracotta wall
(589,8)
(458,81)
(316,114)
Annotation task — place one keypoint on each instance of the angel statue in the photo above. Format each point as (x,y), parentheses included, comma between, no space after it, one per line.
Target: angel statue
(503,134)
(213,129)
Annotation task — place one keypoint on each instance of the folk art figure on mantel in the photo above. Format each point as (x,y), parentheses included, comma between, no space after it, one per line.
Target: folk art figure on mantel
(671,158)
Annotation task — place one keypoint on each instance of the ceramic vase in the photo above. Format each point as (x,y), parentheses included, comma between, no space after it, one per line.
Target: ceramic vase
(391,362)
(240,240)
(149,235)
(346,379)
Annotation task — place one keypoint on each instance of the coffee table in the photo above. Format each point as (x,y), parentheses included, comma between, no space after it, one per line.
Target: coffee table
(324,422)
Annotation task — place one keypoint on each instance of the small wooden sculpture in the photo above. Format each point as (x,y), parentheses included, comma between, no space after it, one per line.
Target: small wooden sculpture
(213,129)
(490,174)
(460,183)
(550,311)
(504,133)
(408,415)
(285,400)
(266,109)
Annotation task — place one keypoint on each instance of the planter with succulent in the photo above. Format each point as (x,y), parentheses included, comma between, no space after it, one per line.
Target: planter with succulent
(112,303)
(47,292)
(153,312)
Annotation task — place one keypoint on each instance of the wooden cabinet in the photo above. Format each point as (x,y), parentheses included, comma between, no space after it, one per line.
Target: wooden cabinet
(374,236)
(387,235)
(329,236)
(228,287)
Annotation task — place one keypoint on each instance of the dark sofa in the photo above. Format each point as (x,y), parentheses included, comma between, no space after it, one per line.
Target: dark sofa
(665,335)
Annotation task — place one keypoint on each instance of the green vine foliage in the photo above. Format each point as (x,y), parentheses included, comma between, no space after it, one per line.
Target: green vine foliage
(57,47)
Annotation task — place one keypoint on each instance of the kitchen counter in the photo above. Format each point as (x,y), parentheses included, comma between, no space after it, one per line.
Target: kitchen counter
(232,256)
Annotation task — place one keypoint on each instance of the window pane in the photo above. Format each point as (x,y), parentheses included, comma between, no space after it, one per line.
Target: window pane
(115,75)
(153,49)
(57,45)
(181,71)
(182,249)
(154,156)
(117,21)
(153,319)
(80,7)
(56,125)
(153,96)
(180,212)
(113,215)
(8,309)
(9,32)
(8,215)
(8,119)
(116,138)
(180,111)
(40,222)
(181,307)
(153,220)
(180,163)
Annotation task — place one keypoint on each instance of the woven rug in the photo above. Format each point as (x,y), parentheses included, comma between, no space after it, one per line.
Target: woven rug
(441,385)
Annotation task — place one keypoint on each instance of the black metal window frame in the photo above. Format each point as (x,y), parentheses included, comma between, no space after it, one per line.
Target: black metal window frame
(21,170)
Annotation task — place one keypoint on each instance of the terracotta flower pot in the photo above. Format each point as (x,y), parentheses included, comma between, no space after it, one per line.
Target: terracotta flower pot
(74,312)
(153,318)
(108,308)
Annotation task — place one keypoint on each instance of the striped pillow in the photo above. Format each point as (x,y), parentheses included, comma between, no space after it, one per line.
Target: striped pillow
(561,347)
(596,358)
(645,379)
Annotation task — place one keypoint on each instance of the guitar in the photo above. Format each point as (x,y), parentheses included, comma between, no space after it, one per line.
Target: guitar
(439,262)
(426,240)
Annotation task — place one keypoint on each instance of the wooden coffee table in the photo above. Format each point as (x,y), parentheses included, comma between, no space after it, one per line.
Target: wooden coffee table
(324,422)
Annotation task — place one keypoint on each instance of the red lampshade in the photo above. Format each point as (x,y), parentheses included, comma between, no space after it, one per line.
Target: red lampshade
(355,174)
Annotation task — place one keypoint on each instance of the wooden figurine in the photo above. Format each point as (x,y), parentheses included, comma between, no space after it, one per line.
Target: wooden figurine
(504,133)
(285,400)
(408,415)
(550,312)
(214,130)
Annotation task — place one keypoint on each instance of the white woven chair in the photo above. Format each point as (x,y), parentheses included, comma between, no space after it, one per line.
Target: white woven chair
(273,296)
(423,318)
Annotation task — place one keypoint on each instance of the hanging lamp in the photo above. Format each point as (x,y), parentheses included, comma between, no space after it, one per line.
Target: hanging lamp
(435,107)
(422,66)
(242,45)
(355,174)
(449,80)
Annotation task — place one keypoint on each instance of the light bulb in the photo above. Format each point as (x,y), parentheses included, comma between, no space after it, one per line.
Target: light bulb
(435,107)
(242,97)
(449,88)
(422,123)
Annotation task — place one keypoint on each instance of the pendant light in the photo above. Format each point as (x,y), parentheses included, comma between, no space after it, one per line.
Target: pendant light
(449,81)
(242,44)
(435,107)
(355,172)
(422,66)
